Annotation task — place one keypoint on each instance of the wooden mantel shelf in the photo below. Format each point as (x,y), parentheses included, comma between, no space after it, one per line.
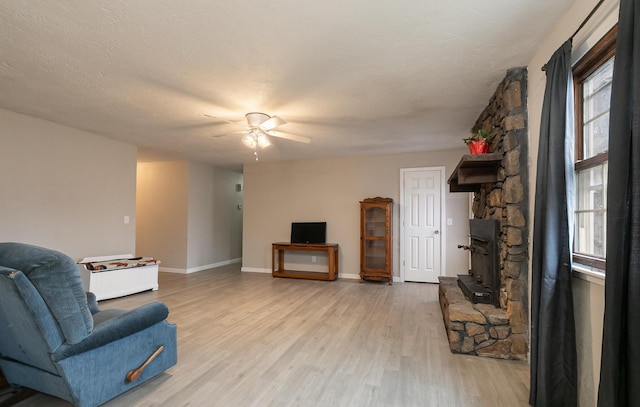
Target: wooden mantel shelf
(473,171)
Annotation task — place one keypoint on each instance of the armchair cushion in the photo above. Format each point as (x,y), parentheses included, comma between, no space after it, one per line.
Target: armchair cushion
(92,302)
(117,325)
(22,313)
(54,276)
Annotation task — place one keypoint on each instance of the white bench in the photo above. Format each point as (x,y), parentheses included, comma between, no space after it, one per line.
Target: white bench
(107,284)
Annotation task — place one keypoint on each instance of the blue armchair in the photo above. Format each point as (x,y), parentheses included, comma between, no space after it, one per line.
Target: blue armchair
(54,339)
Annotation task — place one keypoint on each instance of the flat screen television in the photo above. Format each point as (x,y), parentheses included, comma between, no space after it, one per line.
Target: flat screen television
(308,232)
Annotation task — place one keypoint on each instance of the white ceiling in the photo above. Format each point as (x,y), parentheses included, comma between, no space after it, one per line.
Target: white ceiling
(357,76)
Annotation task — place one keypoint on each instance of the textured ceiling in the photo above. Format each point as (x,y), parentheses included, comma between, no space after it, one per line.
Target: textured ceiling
(358,77)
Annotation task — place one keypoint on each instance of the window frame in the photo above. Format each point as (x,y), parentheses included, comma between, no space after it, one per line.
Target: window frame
(593,60)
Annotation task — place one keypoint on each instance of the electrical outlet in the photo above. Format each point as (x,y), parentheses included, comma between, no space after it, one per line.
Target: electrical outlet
(313,259)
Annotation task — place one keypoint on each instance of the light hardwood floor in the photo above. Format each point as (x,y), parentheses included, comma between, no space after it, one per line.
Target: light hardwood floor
(247,339)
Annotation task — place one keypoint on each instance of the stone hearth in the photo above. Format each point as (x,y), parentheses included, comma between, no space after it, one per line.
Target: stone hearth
(478,329)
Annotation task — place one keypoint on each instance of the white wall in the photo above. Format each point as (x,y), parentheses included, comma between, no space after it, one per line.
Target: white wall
(277,194)
(65,189)
(188,216)
(589,292)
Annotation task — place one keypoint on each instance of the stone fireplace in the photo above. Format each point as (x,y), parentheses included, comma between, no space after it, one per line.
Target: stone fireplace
(496,324)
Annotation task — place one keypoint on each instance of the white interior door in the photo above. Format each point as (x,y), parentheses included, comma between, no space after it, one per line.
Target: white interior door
(421,212)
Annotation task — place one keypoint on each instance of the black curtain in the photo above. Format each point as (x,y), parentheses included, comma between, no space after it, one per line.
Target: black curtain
(620,365)
(553,340)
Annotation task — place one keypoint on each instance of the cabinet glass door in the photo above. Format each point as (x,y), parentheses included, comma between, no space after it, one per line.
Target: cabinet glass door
(375,225)
(374,257)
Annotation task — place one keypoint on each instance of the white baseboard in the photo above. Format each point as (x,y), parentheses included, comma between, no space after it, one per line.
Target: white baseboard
(200,268)
(357,277)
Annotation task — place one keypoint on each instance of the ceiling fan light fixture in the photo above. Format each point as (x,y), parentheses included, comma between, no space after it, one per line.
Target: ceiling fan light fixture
(260,127)
(255,119)
(254,139)
(263,141)
(249,140)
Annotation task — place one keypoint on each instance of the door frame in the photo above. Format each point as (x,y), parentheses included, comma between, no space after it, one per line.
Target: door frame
(443,216)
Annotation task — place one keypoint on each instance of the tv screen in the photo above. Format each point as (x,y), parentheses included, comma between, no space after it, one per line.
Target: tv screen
(308,232)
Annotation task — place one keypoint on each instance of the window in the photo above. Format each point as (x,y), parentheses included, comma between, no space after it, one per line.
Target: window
(592,87)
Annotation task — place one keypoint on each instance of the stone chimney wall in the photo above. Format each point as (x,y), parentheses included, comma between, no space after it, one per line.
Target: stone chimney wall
(506,200)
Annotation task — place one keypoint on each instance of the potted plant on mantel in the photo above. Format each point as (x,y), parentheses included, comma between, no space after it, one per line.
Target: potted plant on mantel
(478,142)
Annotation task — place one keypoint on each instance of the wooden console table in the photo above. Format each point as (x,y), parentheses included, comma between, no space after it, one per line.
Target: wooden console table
(330,248)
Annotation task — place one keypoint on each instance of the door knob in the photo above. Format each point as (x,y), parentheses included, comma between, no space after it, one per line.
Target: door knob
(436,232)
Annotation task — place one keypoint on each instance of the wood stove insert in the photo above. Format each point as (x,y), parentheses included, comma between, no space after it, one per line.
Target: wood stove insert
(482,284)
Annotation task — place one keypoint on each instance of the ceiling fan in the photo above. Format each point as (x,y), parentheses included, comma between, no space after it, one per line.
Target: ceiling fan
(260,126)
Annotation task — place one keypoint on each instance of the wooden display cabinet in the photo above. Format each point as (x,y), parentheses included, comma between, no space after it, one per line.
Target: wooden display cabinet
(376,243)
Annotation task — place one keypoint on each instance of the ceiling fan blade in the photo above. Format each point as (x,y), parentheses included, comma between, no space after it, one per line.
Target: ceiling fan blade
(229,134)
(208,124)
(272,123)
(225,120)
(293,137)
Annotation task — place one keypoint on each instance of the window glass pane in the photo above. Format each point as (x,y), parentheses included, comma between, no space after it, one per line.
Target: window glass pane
(596,136)
(596,100)
(590,222)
